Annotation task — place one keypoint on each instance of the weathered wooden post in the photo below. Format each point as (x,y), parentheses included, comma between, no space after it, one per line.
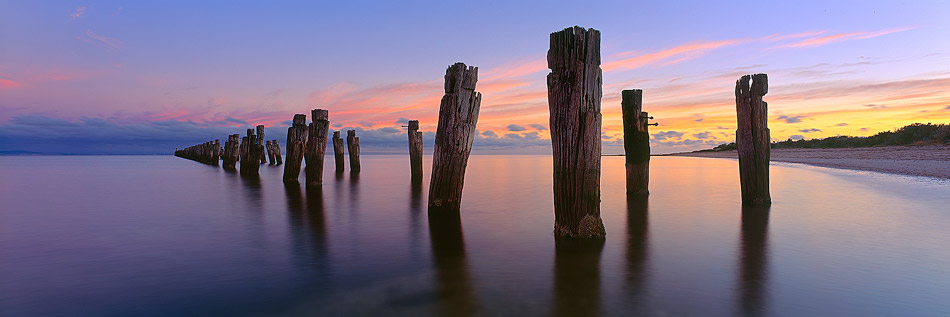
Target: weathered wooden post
(296,144)
(574,92)
(250,154)
(636,142)
(338,151)
(231,151)
(353,146)
(415,149)
(317,145)
(458,115)
(753,139)
(216,152)
(270,152)
(260,143)
(277,151)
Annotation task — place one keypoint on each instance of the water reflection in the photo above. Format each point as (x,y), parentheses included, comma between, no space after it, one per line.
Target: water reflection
(305,215)
(753,260)
(637,248)
(577,276)
(453,283)
(415,216)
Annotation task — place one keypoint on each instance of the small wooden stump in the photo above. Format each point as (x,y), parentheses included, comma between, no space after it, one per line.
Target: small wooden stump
(574,93)
(317,145)
(753,139)
(231,151)
(458,115)
(270,152)
(636,142)
(353,146)
(415,149)
(338,151)
(277,152)
(296,144)
(260,143)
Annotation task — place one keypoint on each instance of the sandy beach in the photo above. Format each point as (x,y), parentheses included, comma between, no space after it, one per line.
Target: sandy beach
(927,160)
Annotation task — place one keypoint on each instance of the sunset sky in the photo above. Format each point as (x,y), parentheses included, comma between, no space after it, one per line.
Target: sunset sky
(117,77)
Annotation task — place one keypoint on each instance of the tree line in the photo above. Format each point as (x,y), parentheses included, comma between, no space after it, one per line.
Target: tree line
(917,133)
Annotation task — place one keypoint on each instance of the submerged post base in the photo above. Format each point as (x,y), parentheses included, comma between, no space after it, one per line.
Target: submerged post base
(589,227)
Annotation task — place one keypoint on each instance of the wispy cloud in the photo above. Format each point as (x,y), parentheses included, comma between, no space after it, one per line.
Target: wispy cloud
(8,83)
(840,37)
(791,119)
(79,12)
(90,36)
(668,56)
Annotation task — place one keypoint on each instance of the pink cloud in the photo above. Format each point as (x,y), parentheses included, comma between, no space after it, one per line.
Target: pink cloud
(6,83)
(668,56)
(79,12)
(840,37)
(109,42)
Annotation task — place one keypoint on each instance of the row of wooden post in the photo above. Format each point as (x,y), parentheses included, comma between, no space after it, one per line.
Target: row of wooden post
(574,100)
(309,143)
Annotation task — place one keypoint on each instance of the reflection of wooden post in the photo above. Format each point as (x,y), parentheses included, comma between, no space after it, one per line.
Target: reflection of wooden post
(317,145)
(577,276)
(296,143)
(415,149)
(338,151)
(574,92)
(458,115)
(353,146)
(636,142)
(752,139)
(455,293)
(753,259)
(277,152)
(260,143)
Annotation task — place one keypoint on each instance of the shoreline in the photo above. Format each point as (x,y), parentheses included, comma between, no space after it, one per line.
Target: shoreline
(922,160)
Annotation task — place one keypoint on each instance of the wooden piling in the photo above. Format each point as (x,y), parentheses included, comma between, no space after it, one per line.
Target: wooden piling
(316,145)
(277,156)
(338,151)
(458,115)
(204,152)
(353,147)
(231,151)
(296,144)
(260,143)
(753,139)
(270,152)
(574,93)
(636,142)
(216,152)
(250,154)
(415,149)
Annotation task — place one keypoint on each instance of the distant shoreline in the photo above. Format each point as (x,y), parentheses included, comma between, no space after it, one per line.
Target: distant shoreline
(922,160)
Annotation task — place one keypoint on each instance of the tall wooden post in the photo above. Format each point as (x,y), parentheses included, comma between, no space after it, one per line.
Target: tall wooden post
(296,144)
(338,151)
(260,143)
(216,152)
(250,154)
(415,149)
(353,146)
(231,151)
(277,152)
(458,115)
(636,142)
(317,145)
(574,92)
(753,139)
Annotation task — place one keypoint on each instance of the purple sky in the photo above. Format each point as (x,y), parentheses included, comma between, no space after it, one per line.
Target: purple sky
(120,77)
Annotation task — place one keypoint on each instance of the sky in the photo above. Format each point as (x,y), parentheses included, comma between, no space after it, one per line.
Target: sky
(145,77)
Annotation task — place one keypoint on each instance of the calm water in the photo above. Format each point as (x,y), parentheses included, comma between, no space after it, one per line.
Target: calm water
(159,235)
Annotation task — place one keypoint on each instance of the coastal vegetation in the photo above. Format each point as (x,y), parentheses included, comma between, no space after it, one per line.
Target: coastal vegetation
(913,134)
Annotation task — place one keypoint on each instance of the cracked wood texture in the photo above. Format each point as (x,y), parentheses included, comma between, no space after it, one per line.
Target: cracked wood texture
(296,144)
(415,149)
(316,145)
(458,114)
(753,139)
(353,146)
(574,93)
(338,151)
(636,142)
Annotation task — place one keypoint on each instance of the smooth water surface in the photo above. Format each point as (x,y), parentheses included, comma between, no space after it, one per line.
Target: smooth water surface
(160,235)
